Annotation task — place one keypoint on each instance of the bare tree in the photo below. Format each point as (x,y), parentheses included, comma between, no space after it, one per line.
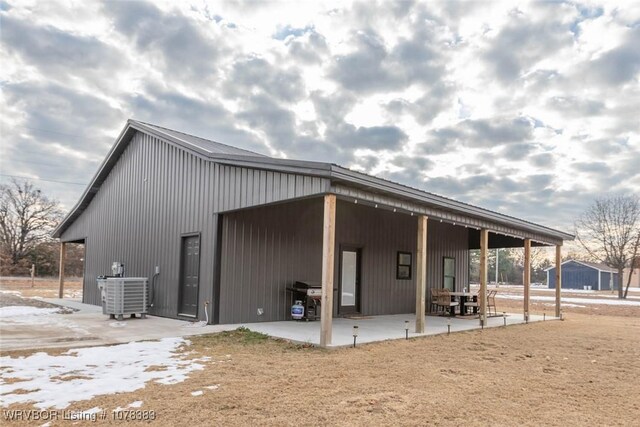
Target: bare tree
(609,230)
(26,219)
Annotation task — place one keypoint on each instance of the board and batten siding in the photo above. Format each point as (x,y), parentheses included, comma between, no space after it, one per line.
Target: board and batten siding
(155,193)
(266,249)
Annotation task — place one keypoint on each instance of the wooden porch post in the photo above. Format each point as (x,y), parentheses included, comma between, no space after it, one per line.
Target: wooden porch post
(421,274)
(328,247)
(558,277)
(484,246)
(527,275)
(63,254)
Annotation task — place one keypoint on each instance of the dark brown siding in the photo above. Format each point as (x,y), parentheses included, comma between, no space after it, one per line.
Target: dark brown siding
(266,249)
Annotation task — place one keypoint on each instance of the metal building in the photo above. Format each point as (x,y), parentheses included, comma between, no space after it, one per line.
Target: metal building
(584,275)
(233,229)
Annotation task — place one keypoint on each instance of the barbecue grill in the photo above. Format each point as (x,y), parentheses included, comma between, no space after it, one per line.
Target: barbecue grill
(310,293)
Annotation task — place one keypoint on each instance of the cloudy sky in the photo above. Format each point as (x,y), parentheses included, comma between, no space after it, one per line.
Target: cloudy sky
(530,110)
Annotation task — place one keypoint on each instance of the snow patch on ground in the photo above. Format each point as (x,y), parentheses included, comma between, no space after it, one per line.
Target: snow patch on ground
(14,312)
(21,310)
(81,374)
(564,304)
(197,393)
(28,315)
(574,300)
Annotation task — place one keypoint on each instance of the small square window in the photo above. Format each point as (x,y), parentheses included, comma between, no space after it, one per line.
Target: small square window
(403,271)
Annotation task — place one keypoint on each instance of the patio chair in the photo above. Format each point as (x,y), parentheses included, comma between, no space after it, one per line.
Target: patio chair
(474,304)
(434,300)
(444,301)
(491,302)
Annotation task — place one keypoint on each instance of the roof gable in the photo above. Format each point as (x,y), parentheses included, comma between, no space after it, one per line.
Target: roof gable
(225,154)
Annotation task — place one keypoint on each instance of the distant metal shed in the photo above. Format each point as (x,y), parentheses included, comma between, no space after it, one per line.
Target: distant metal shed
(584,275)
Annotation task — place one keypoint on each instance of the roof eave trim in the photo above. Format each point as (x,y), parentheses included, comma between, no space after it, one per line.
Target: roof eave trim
(347,175)
(126,134)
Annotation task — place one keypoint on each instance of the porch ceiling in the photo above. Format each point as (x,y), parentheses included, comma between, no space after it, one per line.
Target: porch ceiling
(506,230)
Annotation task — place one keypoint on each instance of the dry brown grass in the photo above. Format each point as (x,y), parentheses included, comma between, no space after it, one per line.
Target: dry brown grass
(539,307)
(583,371)
(45,288)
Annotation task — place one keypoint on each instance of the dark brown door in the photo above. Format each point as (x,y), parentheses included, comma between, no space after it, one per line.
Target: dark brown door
(349,294)
(189,276)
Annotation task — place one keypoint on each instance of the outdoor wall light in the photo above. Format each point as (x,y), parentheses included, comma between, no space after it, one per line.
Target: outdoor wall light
(355,335)
(406,329)
(355,201)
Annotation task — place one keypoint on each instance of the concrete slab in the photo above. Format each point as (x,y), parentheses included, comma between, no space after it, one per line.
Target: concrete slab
(379,328)
(89,327)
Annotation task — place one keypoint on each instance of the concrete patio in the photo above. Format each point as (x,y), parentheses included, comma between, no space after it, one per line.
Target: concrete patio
(88,327)
(380,328)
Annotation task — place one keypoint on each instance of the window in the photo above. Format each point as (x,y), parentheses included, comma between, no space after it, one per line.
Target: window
(449,268)
(403,271)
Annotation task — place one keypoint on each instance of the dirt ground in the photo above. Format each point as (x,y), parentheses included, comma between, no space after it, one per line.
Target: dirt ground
(42,287)
(581,371)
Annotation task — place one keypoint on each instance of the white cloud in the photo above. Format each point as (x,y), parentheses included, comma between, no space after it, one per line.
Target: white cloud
(532,108)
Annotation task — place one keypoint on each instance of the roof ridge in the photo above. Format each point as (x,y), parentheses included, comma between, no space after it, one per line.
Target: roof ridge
(199,137)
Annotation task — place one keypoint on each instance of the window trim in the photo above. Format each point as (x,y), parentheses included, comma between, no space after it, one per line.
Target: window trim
(444,271)
(399,265)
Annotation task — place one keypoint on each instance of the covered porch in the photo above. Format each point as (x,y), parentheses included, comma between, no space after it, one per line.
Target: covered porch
(482,235)
(373,259)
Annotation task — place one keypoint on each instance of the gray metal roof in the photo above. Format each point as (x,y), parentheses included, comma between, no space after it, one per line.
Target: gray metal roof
(595,265)
(229,155)
(207,145)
